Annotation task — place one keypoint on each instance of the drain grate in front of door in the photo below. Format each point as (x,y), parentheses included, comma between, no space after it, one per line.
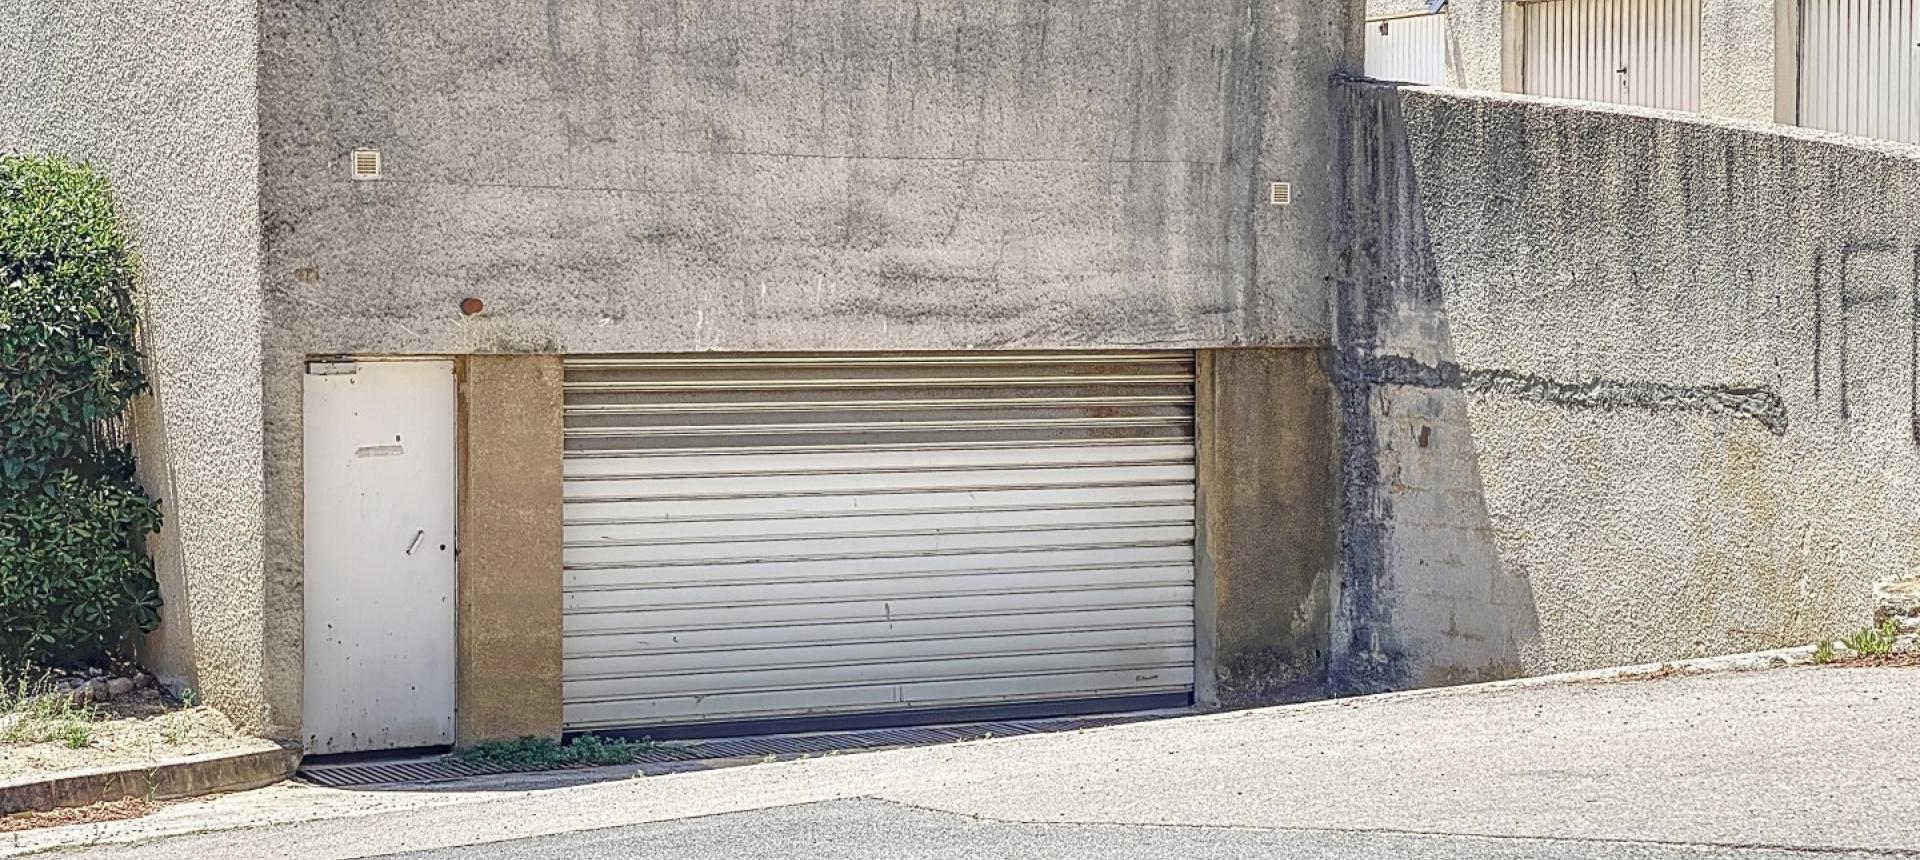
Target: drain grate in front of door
(680,755)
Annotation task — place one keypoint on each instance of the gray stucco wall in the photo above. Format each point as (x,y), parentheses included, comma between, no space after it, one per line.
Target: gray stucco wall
(1618,387)
(751,175)
(159,97)
(743,175)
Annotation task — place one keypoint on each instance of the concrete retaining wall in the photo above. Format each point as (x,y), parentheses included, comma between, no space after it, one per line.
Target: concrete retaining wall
(1618,386)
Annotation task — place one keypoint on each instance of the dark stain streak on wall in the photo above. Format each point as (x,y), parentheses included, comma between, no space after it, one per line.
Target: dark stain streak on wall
(1860,309)
(1913,350)
(1760,404)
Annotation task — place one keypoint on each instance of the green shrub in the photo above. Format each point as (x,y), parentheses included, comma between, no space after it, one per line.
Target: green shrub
(73,582)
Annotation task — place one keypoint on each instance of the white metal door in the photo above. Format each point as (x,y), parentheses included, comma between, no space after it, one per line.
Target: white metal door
(1411,48)
(770,538)
(380,568)
(1860,67)
(1635,52)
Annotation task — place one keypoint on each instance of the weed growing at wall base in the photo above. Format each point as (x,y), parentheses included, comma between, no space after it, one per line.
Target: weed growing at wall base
(537,753)
(34,712)
(1873,641)
(74,585)
(1823,652)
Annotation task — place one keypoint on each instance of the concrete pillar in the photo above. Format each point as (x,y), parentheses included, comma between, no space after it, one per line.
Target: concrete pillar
(1269,538)
(511,438)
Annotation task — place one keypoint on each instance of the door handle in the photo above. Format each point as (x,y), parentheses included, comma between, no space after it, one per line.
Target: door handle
(416,541)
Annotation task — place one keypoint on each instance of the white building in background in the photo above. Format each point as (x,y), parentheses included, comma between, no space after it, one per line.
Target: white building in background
(1851,66)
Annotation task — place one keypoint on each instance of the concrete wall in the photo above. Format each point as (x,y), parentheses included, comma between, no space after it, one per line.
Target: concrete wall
(1269,538)
(511,441)
(160,98)
(1616,387)
(755,175)
(750,175)
(1739,60)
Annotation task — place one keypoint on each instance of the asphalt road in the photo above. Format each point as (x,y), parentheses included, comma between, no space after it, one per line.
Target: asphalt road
(1802,762)
(869,829)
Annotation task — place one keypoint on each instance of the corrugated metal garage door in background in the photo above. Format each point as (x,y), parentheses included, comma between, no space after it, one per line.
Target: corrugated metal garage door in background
(1635,52)
(753,538)
(1412,49)
(1860,67)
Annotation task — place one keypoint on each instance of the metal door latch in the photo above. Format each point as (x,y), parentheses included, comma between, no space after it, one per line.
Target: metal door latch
(416,541)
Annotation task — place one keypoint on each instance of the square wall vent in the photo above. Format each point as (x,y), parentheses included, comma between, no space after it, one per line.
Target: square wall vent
(1280,194)
(366,164)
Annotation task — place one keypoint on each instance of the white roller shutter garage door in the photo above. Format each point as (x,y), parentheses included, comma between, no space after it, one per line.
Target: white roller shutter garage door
(1860,67)
(869,538)
(1632,52)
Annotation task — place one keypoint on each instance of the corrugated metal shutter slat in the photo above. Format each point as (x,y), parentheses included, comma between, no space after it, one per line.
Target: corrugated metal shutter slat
(765,537)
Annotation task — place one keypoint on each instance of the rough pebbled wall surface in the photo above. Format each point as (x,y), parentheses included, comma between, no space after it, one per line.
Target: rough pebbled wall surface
(748,175)
(1617,386)
(159,97)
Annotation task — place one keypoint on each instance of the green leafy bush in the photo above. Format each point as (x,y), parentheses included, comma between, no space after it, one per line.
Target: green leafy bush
(73,583)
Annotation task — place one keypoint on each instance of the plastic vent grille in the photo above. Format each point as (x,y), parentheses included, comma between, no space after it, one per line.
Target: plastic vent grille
(366,164)
(1280,194)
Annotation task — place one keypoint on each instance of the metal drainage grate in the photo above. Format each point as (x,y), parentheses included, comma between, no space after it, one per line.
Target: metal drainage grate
(448,769)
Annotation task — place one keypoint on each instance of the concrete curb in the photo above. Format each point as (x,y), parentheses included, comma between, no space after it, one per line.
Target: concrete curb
(234,770)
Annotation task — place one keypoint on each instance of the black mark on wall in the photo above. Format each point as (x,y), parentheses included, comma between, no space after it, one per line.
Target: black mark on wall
(1819,321)
(1856,305)
(1759,404)
(1384,260)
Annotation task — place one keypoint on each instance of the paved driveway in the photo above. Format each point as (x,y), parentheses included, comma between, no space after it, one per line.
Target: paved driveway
(1782,763)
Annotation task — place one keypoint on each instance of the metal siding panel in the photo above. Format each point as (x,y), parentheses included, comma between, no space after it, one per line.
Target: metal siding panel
(886,697)
(958,519)
(583,647)
(823,676)
(1114,556)
(744,540)
(774,656)
(1860,68)
(723,485)
(813,616)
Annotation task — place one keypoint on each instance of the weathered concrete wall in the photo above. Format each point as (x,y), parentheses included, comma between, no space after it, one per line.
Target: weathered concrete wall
(1269,540)
(1617,387)
(160,97)
(754,175)
(511,441)
(750,175)
(1738,61)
